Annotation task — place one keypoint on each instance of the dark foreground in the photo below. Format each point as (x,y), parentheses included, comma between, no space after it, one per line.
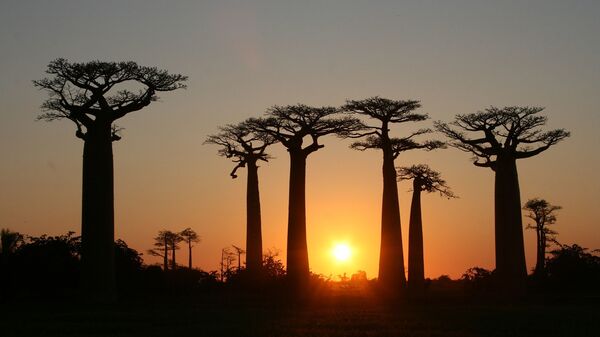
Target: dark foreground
(330,314)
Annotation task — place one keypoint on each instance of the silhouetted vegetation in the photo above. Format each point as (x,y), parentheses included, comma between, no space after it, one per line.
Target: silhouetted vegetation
(386,113)
(504,135)
(543,213)
(572,268)
(424,180)
(94,95)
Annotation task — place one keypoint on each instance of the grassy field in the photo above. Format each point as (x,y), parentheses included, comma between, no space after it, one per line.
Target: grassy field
(324,314)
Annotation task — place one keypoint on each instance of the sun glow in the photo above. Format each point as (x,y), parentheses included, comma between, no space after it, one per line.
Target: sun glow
(341,252)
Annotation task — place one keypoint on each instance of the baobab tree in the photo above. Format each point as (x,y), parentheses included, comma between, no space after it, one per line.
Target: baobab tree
(424,179)
(190,237)
(162,244)
(291,125)
(386,113)
(543,214)
(504,135)
(94,95)
(174,240)
(246,148)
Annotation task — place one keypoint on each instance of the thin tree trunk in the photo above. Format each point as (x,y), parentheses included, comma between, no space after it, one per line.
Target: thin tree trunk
(173,265)
(97,215)
(253,222)
(190,254)
(539,252)
(166,257)
(540,266)
(510,251)
(391,259)
(297,250)
(416,264)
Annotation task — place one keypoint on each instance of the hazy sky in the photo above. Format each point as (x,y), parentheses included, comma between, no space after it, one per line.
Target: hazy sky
(244,56)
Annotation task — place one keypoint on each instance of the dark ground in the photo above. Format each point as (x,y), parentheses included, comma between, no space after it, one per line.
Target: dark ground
(341,313)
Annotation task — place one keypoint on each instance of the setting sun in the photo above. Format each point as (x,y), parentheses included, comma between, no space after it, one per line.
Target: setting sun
(341,252)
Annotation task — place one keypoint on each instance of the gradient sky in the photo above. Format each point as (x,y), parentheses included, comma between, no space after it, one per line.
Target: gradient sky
(244,56)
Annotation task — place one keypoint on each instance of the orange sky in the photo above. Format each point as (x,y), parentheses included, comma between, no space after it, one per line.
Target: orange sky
(244,58)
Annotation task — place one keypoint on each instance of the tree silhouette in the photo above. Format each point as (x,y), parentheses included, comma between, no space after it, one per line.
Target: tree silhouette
(190,237)
(506,134)
(174,239)
(543,213)
(424,180)
(387,112)
(239,251)
(162,244)
(94,95)
(9,241)
(247,148)
(290,125)
(272,266)
(227,258)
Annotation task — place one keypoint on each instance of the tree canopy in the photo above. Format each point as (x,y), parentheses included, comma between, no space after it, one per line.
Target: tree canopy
(513,131)
(290,124)
(240,143)
(88,92)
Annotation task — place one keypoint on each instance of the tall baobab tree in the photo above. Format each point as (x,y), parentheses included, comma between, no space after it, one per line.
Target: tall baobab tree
(386,113)
(291,125)
(424,180)
(190,237)
(246,148)
(94,95)
(504,135)
(543,214)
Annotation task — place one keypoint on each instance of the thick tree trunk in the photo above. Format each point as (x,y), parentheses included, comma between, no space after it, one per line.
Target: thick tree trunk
(190,254)
(510,251)
(416,264)
(297,250)
(253,222)
(391,258)
(97,215)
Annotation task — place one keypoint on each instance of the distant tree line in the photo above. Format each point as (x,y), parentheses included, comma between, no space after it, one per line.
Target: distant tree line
(50,267)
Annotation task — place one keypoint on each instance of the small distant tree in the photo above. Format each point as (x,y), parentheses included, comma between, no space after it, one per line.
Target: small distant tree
(227,258)
(174,240)
(501,137)
(239,251)
(273,267)
(94,95)
(247,148)
(478,279)
(543,214)
(424,180)
(385,113)
(190,237)
(161,247)
(291,126)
